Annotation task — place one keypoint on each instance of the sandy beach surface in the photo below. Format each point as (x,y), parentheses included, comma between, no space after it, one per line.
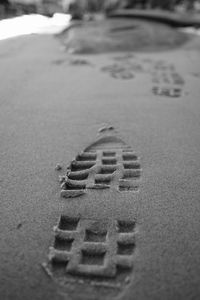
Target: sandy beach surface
(52,105)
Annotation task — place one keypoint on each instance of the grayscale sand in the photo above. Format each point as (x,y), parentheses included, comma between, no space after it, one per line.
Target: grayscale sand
(52,105)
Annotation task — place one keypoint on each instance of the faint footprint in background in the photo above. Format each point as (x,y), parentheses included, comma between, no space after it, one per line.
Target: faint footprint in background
(72,61)
(79,62)
(58,61)
(118,71)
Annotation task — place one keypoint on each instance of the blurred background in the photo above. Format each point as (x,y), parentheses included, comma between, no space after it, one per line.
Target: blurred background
(78,8)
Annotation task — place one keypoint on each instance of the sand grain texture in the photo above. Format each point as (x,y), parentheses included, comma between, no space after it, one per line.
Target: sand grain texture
(48,114)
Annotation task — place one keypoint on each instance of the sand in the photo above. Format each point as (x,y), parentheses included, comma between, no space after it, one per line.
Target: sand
(52,108)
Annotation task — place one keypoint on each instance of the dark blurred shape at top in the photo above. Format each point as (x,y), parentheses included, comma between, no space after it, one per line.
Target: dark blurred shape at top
(79,8)
(4,7)
(162,4)
(120,35)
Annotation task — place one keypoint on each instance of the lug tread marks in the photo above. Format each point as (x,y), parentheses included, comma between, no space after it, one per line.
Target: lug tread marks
(99,252)
(108,163)
(172,92)
(93,248)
